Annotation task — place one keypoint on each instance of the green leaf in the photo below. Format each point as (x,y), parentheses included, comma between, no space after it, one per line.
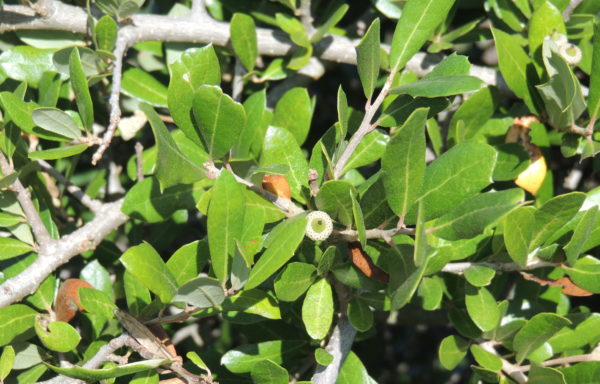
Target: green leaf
(58,153)
(482,308)
(470,218)
(143,86)
(188,261)
(553,215)
(294,28)
(333,198)
(453,65)
(6,361)
(368,58)
(562,93)
(49,89)
(586,273)
(294,280)
(220,118)
(195,67)
(257,121)
(59,336)
(254,301)
(359,221)
(172,166)
(318,309)
(8,220)
(421,245)
(97,302)
(452,350)
(472,114)
(225,222)
(20,113)
(144,201)
(268,372)
(106,33)
(539,329)
(243,358)
(439,86)
(405,280)
(353,371)
(136,294)
(516,67)
(486,359)
(25,63)
(479,275)
(594,97)
(82,92)
(546,375)
(398,111)
(294,113)
(403,163)
(512,160)
(201,292)
(194,358)
(147,377)
(143,262)
(581,234)
(243,39)
(280,147)
(430,292)
(454,177)
(94,375)
(370,149)
(419,20)
(519,226)
(335,18)
(545,20)
(585,372)
(10,248)
(323,357)
(56,121)
(281,245)
(360,315)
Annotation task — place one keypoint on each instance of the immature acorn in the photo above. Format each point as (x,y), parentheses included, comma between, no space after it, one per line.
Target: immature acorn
(319,226)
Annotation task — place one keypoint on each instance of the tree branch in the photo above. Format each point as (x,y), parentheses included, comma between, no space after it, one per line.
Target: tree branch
(123,42)
(459,268)
(570,8)
(514,371)
(24,197)
(339,49)
(57,253)
(92,204)
(338,346)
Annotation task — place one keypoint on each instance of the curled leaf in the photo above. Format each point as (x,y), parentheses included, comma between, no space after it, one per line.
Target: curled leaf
(277,185)
(67,300)
(362,261)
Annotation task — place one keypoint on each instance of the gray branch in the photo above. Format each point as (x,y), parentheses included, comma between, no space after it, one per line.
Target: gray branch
(57,253)
(338,346)
(204,29)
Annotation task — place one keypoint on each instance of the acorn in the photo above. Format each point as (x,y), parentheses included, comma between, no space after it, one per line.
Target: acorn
(319,226)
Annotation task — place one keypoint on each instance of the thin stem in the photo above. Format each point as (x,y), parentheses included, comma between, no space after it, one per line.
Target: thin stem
(285,205)
(306,18)
(93,204)
(459,268)
(514,371)
(198,9)
(42,236)
(115,108)
(238,80)
(364,128)
(139,149)
(565,360)
(352,235)
(570,8)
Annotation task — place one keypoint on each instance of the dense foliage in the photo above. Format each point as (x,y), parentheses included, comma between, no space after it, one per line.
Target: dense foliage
(269,191)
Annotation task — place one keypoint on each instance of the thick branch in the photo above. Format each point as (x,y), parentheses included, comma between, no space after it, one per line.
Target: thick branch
(108,218)
(334,48)
(24,197)
(338,346)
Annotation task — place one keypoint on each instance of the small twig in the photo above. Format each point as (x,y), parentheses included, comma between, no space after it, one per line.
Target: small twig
(352,235)
(364,128)
(285,205)
(42,236)
(114,100)
(570,8)
(139,148)
(514,371)
(313,181)
(198,9)
(459,268)
(92,204)
(565,360)
(238,80)
(306,17)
